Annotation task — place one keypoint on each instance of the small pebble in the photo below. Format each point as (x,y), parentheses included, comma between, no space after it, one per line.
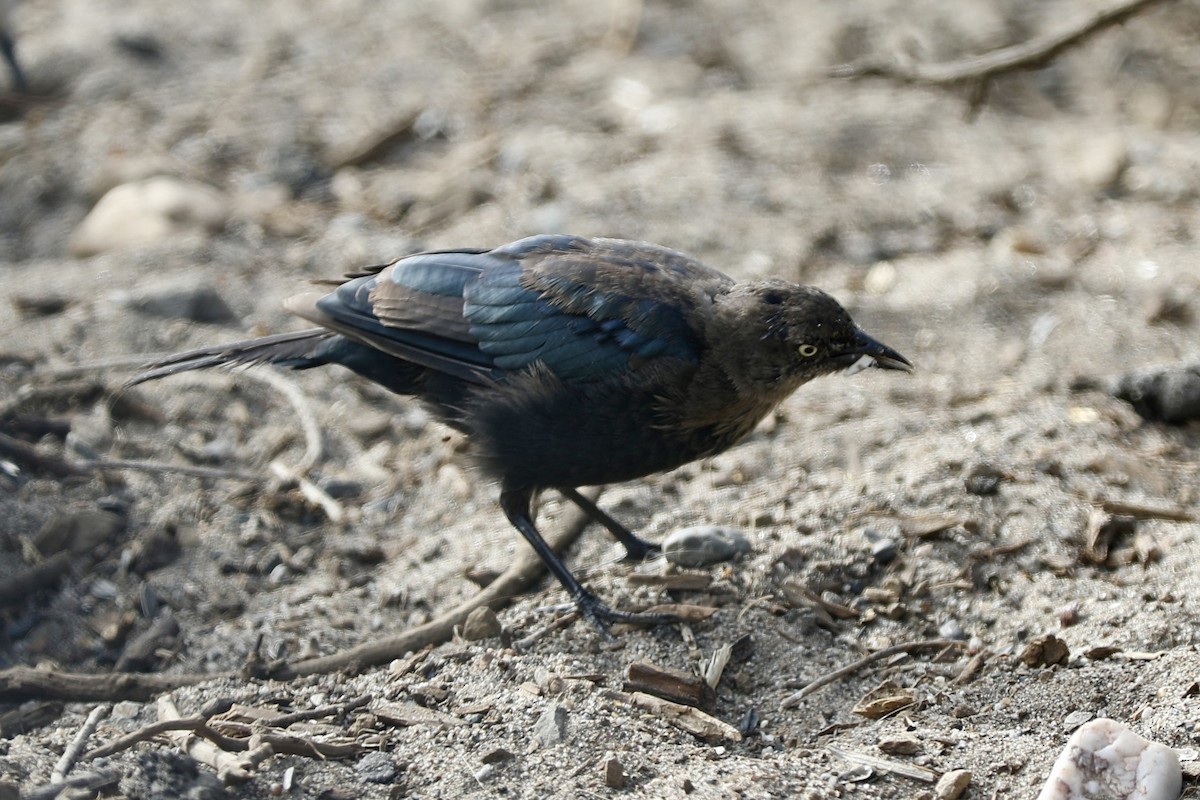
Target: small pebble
(496,756)
(183,298)
(901,745)
(482,623)
(1105,759)
(1046,650)
(1076,718)
(950,629)
(951,785)
(701,545)
(983,480)
(885,551)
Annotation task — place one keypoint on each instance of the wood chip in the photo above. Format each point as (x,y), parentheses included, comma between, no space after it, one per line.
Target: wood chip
(680,582)
(885,699)
(671,684)
(685,611)
(686,718)
(614,774)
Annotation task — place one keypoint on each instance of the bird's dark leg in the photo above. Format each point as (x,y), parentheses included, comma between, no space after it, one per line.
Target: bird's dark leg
(517,505)
(636,548)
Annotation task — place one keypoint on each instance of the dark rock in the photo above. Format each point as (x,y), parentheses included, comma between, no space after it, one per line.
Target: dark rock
(1166,395)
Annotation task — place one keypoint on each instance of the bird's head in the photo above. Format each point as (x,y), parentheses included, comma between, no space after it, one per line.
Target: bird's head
(801,333)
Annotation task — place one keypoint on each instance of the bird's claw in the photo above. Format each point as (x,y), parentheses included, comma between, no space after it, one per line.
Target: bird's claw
(601,616)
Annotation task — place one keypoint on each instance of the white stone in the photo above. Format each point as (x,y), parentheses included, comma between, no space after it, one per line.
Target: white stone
(148,211)
(702,545)
(1105,760)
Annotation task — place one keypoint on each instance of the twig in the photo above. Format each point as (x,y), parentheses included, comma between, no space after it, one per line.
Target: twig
(1024,56)
(162,467)
(71,754)
(230,768)
(143,734)
(25,683)
(885,765)
(523,645)
(95,782)
(312,493)
(339,710)
(887,652)
(313,445)
(1130,508)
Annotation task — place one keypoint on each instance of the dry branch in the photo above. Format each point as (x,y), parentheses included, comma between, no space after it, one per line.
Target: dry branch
(25,683)
(1028,55)
(849,669)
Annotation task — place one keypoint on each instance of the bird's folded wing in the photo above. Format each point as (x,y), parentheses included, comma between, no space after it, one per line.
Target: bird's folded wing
(586,309)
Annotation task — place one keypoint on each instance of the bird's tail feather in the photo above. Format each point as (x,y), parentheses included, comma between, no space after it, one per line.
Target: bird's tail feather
(298,350)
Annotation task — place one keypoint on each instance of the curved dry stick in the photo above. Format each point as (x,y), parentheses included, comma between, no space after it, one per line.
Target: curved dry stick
(887,652)
(524,572)
(25,683)
(1025,55)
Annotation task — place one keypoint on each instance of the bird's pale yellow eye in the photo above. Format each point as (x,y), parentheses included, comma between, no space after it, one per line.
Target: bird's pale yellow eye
(807,350)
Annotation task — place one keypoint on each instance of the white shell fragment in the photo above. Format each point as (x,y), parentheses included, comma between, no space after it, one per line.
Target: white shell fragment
(702,545)
(1105,760)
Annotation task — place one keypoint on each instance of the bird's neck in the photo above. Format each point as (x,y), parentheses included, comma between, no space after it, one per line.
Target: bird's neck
(737,382)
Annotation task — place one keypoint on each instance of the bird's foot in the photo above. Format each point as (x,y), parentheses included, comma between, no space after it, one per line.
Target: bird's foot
(601,616)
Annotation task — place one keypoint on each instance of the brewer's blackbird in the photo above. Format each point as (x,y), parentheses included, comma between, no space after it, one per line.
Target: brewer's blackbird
(570,362)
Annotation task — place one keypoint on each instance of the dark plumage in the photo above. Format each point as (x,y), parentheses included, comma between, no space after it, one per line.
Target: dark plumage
(569,361)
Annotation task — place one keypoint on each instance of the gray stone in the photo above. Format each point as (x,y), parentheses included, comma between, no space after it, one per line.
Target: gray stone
(376,767)
(551,727)
(701,545)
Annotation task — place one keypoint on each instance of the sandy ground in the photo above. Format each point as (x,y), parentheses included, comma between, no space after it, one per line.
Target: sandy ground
(1020,258)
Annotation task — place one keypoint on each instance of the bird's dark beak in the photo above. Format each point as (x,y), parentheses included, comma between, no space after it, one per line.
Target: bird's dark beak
(867,352)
